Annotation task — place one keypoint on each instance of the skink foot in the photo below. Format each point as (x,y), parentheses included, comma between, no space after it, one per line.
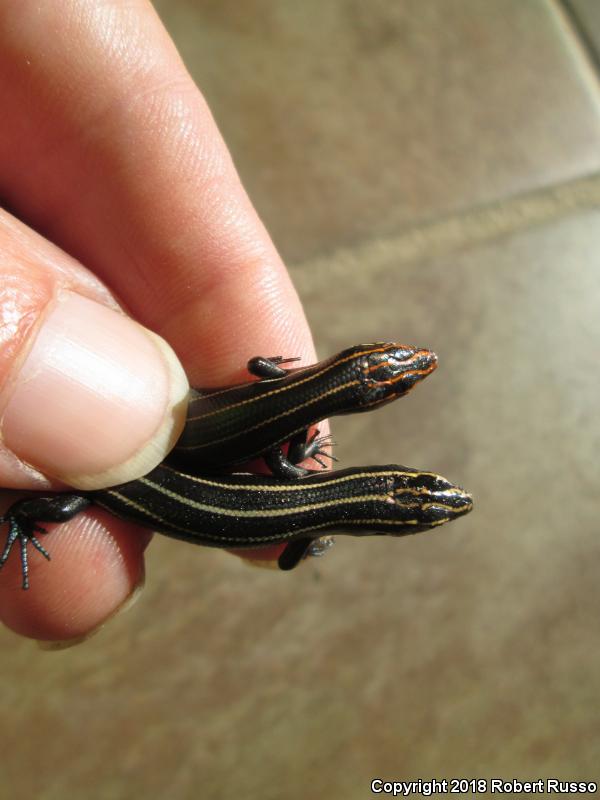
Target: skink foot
(301,448)
(23,517)
(23,529)
(267,368)
(300,549)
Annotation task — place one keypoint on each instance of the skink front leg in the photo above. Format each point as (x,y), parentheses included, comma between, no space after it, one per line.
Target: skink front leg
(294,553)
(23,518)
(267,368)
(298,550)
(301,447)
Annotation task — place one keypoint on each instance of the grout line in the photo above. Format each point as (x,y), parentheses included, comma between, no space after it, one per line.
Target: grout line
(464,230)
(578,30)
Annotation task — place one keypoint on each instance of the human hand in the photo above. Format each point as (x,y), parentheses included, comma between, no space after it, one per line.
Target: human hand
(108,149)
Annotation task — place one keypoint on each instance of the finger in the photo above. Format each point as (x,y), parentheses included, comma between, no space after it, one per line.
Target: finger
(113,127)
(84,391)
(96,564)
(88,397)
(160,212)
(164,218)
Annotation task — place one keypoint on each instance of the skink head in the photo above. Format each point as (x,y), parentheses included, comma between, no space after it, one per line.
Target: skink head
(426,500)
(391,370)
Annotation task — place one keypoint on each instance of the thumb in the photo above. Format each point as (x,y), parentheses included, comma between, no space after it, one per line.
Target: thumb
(88,397)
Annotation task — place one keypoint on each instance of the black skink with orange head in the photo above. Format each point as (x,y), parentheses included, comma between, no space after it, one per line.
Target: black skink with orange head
(229,425)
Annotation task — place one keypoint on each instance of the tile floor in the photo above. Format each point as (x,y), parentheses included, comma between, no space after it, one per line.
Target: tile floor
(430,172)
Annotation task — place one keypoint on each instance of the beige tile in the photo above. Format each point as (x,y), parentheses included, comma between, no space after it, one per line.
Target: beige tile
(349,120)
(586,16)
(470,651)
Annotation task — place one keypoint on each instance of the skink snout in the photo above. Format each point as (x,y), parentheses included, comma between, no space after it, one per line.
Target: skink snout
(393,371)
(429,499)
(446,502)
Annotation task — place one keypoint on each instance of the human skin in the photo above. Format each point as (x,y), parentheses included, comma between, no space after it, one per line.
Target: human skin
(116,187)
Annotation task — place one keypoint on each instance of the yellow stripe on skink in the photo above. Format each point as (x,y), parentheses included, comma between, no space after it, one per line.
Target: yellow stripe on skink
(261,513)
(297,486)
(249,541)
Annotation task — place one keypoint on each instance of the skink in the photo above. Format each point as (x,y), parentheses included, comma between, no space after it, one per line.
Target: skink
(234,424)
(228,425)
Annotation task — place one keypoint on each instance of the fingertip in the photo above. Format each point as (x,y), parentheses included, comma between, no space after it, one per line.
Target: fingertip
(96,566)
(262,557)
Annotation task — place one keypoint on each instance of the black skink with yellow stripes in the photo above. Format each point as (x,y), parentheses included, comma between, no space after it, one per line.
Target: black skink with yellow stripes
(189,498)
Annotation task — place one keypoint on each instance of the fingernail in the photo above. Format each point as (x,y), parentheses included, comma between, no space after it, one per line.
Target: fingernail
(99,400)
